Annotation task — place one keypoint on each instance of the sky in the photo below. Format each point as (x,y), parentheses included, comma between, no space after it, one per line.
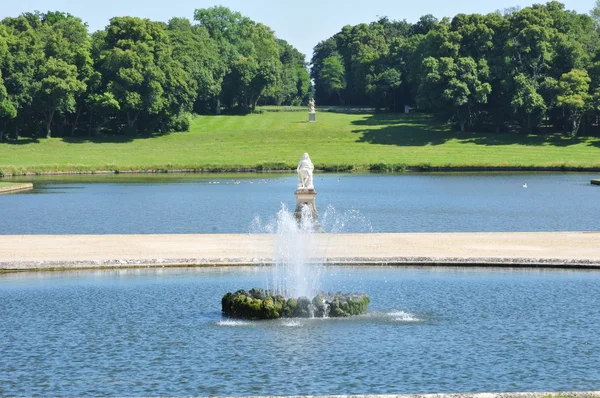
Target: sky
(302,24)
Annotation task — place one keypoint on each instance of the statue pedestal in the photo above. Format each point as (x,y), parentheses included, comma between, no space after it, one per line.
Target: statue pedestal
(306,196)
(312,117)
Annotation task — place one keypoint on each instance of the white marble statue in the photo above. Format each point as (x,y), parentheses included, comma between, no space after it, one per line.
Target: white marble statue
(305,172)
(311,105)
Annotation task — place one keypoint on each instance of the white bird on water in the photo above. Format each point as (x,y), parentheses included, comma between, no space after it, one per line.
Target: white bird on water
(525,185)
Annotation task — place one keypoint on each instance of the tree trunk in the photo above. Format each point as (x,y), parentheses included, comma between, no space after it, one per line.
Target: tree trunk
(529,124)
(461,122)
(16,132)
(75,124)
(90,123)
(576,122)
(48,125)
(131,122)
(2,127)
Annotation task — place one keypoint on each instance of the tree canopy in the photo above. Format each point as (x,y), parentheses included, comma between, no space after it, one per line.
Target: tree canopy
(521,70)
(137,75)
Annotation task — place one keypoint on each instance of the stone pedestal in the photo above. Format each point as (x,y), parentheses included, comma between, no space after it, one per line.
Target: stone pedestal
(312,117)
(306,196)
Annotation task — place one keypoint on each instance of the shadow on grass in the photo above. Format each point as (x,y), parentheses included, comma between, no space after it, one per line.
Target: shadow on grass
(421,130)
(20,141)
(402,130)
(96,139)
(111,139)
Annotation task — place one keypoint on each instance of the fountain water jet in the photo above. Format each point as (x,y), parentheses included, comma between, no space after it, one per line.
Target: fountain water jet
(294,278)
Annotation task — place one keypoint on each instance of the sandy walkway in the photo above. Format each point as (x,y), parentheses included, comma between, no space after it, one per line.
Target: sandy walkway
(73,251)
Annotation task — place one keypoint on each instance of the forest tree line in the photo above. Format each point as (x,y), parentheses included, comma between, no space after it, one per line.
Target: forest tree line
(529,70)
(138,75)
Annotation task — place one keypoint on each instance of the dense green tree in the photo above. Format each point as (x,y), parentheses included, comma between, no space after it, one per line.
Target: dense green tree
(574,97)
(252,57)
(20,72)
(495,72)
(595,13)
(7,108)
(331,76)
(199,55)
(141,74)
(57,90)
(529,69)
(456,87)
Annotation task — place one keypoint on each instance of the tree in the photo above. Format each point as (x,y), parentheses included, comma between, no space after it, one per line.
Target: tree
(456,87)
(26,56)
(199,55)
(382,85)
(57,89)
(331,76)
(574,97)
(250,52)
(321,52)
(527,102)
(595,12)
(141,74)
(7,109)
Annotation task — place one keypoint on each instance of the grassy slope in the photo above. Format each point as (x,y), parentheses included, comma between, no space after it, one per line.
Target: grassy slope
(247,141)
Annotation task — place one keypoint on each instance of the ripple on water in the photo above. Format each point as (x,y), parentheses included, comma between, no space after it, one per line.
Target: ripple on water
(401,316)
(291,323)
(232,322)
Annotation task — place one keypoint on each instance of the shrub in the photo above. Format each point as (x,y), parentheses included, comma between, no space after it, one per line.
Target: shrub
(181,122)
(381,167)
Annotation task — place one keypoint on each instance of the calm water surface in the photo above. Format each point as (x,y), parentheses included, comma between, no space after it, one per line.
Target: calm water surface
(160,332)
(386,203)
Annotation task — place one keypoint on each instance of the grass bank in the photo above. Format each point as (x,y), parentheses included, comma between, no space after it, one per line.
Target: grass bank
(276,140)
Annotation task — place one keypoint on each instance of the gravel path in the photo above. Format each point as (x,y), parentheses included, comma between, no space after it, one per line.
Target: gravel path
(555,249)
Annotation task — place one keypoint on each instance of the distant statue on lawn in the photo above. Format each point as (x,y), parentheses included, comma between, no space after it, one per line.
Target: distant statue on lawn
(311,105)
(305,173)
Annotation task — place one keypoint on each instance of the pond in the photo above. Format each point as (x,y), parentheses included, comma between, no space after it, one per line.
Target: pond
(160,332)
(221,203)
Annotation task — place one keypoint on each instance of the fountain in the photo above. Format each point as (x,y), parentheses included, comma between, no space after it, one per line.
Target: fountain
(294,279)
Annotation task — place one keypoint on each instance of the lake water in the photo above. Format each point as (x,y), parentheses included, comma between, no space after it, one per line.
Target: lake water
(456,202)
(160,332)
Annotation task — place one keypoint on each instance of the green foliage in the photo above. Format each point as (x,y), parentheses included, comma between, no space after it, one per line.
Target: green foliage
(489,72)
(181,122)
(332,76)
(138,76)
(574,96)
(260,304)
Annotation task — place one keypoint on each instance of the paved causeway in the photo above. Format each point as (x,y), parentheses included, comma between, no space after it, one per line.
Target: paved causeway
(555,249)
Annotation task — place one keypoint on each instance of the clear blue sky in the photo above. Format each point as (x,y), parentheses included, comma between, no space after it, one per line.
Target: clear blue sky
(302,24)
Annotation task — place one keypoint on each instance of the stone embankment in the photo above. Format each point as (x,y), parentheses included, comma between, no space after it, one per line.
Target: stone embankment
(15,187)
(582,394)
(543,249)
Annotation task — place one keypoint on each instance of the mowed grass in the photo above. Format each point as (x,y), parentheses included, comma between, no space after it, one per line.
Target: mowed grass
(278,140)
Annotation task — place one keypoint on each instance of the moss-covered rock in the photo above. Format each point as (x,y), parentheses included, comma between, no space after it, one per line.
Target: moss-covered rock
(260,304)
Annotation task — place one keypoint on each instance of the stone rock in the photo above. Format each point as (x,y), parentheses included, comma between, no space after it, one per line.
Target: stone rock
(261,304)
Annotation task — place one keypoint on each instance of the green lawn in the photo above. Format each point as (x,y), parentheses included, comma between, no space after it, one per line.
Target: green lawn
(278,139)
